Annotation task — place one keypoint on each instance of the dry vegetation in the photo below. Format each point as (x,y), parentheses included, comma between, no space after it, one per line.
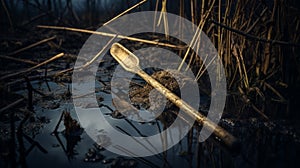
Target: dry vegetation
(258,42)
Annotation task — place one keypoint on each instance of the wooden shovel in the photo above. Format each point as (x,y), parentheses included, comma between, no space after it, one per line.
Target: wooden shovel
(130,63)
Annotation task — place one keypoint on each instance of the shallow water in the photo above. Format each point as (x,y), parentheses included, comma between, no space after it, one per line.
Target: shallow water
(263,144)
(56,155)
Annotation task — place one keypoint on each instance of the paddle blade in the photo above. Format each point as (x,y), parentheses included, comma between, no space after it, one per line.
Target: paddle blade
(126,59)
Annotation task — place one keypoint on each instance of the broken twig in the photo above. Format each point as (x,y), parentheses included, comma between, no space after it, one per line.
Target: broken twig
(18,59)
(32,68)
(32,45)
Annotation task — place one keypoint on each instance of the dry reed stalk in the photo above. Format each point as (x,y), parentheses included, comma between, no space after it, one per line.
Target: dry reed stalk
(220,39)
(196,35)
(88,63)
(180,25)
(245,76)
(181,14)
(227,42)
(201,72)
(256,21)
(191,59)
(18,59)
(202,7)
(282,99)
(201,67)
(220,34)
(227,39)
(112,35)
(235,54)
(197,49)
(7,14)
(98,54)
(163,15)
(260,112)
(193,14)
(63,71)
(247,101)
(233,77)
(126,11)
(32,68)
(166,25)
(32,45)
(155,14)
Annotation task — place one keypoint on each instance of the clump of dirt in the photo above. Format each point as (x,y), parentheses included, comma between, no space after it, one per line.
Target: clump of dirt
(141,95)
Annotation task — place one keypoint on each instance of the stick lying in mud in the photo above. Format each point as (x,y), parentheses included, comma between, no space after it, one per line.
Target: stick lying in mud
(32,45)
(32,68)
(18,59)
(131,63)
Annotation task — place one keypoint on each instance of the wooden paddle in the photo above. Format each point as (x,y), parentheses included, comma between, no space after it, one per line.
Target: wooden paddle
(130,63)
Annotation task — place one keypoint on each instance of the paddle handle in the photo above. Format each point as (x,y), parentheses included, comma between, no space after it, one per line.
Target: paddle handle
(223,136)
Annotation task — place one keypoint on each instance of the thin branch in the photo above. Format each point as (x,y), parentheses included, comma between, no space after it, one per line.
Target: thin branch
(32,45)
(32,68)
(112,35)
(253,36)
(98,54)
(18,59)
(127,10)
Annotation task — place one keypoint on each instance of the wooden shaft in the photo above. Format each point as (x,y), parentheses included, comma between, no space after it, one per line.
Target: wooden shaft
(130,63)
(225,137)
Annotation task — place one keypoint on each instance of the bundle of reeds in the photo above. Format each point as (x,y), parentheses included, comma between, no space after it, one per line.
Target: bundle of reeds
(257,42)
